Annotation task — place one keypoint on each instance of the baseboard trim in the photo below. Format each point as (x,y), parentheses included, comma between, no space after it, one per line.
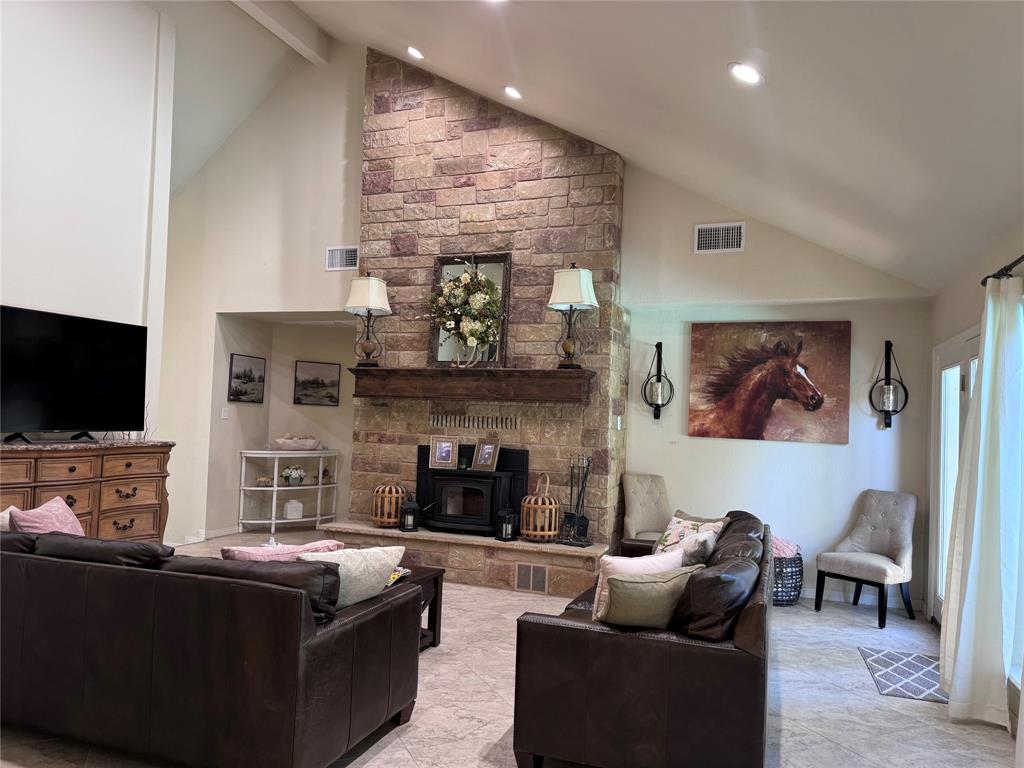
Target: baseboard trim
(869,596)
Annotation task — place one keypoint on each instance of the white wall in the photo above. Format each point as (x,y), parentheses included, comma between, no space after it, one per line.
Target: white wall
(253,426)
(805,491)
(958,306)
(247,424)
(247,234)
(87,95)
(659,267)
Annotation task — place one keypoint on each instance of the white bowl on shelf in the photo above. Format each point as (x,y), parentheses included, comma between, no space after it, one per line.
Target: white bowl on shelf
(298,443)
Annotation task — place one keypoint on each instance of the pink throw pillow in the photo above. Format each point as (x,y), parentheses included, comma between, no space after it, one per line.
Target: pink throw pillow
(55,516)
(284,552)
(630,566)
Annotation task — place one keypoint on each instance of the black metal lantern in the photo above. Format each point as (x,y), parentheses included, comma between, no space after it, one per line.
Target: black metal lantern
(407,516)
(507,524)
(888,395)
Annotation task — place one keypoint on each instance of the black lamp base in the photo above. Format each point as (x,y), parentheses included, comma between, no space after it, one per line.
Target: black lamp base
(367,364)
(570,365)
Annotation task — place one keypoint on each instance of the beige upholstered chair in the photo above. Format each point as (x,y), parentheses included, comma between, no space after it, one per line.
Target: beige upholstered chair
(877,552)
(647,509)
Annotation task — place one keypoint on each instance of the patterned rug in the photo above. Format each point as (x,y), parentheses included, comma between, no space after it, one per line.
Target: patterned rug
(906,675)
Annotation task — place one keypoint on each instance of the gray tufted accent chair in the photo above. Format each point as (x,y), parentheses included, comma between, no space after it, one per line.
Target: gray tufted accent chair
(877,552)
(647,508)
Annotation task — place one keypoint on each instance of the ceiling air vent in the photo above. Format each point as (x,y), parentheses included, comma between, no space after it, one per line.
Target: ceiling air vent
(729,237)
(342,257)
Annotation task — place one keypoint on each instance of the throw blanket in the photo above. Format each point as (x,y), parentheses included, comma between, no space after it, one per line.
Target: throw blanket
(784,548)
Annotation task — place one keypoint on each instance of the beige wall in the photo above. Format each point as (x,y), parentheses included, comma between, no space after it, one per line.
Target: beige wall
(246,426)
(332,424)
(659,267)
(251,426)
(958,306)
(247,234)
(805,491)
(87,93)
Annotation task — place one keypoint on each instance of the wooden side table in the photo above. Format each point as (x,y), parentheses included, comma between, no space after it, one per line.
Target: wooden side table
(431,581)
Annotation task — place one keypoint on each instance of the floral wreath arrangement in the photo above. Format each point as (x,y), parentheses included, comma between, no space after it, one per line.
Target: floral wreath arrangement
(294,471)
(468,308)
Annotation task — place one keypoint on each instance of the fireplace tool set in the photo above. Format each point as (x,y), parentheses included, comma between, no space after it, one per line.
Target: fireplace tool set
(575,523)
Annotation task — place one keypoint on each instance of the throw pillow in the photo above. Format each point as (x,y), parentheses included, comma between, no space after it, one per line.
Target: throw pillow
(138,554)
(646,601)
(282,552)
(55,516)
(635,566)
(364,572)
(5,519)
(695,536)
(714,598)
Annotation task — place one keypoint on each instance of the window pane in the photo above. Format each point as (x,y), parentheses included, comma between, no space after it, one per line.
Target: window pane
(973,375)
(949,455)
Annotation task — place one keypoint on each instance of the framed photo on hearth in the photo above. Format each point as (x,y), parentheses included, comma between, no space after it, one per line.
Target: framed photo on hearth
(485,455)
(246,377)
(444,452)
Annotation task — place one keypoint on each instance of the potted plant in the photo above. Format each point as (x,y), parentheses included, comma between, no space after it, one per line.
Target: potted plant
(467,307)
(293,474)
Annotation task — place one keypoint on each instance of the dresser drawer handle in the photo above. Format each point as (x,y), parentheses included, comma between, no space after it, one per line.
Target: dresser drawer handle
(71,500)
(72,468)
(122,527)
(127,465)
(126,495)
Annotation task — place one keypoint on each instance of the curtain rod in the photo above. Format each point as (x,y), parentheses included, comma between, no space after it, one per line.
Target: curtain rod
(999,274)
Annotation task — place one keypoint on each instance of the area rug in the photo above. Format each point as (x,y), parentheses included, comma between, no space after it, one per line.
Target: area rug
(906,675)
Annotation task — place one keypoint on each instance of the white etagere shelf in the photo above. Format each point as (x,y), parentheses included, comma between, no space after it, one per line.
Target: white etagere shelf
(272,462)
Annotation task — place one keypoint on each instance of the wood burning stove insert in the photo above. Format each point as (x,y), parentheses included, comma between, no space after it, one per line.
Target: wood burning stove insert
(468,501)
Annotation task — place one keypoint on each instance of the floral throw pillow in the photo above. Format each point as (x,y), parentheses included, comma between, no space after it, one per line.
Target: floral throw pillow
(695,536)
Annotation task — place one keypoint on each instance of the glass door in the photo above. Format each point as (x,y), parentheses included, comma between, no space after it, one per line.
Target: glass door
(955,366)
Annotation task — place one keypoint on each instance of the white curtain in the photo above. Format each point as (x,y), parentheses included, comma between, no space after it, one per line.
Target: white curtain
(983,614)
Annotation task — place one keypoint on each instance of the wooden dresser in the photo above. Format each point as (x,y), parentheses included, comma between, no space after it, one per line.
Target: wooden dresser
(118,489)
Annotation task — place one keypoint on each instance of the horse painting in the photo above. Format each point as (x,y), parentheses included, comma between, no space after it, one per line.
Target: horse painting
(742,371)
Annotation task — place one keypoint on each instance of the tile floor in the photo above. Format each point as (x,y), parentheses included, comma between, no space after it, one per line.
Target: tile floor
(824,710)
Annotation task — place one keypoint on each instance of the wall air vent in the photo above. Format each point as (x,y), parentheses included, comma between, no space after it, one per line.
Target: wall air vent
(531,578)
(728,237)
(342,257)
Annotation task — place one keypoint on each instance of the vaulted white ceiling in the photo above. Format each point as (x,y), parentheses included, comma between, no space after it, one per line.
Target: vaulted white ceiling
(224,65)
(892,133)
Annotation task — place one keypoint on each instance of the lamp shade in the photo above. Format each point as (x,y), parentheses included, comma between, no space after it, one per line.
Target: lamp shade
(368,294)
(572,288)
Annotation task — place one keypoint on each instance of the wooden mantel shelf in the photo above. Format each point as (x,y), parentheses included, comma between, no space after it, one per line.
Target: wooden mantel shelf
(531,385)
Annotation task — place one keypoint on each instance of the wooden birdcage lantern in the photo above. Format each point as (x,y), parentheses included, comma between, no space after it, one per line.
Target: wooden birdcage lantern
(538,516)
(387,505)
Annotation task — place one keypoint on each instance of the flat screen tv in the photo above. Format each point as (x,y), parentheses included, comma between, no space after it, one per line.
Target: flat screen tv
(61,373)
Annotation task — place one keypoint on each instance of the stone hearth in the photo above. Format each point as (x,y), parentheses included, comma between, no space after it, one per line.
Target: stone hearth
(480,560)
(448,172)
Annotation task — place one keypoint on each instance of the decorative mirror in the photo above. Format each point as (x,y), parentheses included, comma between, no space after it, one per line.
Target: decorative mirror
(446,346)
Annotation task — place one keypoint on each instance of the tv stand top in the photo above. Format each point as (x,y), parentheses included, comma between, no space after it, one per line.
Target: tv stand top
(47,446)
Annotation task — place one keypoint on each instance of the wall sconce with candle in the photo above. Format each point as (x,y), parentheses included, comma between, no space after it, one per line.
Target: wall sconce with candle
(888,395)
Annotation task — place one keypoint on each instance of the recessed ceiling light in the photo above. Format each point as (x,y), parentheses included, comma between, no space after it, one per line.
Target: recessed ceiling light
(745,73)
(512,93)
(414,52)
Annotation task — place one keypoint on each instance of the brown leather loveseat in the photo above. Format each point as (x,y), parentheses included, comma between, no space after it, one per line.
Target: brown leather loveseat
(135,650)
(615,697)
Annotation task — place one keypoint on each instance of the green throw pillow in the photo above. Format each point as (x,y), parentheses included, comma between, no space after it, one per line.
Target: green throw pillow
(648,600)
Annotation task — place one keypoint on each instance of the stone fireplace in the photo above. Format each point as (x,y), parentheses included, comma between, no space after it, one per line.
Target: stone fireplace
(447,172)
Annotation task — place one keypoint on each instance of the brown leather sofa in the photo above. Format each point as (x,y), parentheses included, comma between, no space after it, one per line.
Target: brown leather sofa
(598,695)
(197,669)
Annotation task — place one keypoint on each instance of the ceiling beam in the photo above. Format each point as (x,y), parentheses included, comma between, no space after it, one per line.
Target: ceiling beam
(292,26)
